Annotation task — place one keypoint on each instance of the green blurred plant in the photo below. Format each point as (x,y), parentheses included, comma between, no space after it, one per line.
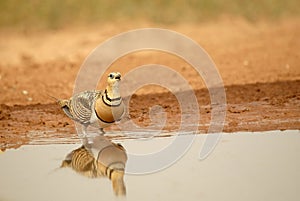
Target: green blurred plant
(55,13)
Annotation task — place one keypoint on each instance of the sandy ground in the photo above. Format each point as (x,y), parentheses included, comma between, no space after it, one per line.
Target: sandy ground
(258,62)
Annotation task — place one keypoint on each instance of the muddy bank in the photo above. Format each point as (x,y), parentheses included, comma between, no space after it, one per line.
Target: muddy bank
(252,107)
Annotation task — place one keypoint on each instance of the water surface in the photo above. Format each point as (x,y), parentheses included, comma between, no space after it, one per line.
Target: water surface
(243,166)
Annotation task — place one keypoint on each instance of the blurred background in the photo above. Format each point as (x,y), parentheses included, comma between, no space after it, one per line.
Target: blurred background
(44,42)
(53,14)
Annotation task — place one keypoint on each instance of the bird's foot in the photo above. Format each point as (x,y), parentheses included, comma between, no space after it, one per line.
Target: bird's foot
(101,131)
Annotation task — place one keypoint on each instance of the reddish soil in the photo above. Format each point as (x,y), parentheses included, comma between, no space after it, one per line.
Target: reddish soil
(259,64)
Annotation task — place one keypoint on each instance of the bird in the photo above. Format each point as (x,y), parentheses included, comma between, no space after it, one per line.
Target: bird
(96,108)
(101,158)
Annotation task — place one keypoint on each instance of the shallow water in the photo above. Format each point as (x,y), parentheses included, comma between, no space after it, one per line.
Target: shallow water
(243,166)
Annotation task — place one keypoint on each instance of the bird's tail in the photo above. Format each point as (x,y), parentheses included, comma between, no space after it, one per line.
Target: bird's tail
(56,99)
(61,102)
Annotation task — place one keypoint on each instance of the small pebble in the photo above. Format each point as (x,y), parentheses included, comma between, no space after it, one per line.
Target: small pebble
(238,109)
(287,66)
(25,92)
(29,99)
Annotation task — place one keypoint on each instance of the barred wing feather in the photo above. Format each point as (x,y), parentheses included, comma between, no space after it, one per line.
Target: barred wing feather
(81,106)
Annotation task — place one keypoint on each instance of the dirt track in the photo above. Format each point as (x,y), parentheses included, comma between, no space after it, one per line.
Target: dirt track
(259,64)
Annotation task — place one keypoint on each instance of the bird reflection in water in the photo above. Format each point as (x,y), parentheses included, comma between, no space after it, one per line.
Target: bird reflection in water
(100,157)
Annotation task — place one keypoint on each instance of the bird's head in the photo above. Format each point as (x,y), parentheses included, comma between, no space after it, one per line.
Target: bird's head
(114,78)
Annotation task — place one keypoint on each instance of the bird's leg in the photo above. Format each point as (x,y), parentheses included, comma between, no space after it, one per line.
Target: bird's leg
(85,134)
(82,131)
(101,131)
(87,139)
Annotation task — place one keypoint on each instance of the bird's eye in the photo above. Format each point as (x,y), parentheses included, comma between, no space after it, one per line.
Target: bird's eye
(111,75)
